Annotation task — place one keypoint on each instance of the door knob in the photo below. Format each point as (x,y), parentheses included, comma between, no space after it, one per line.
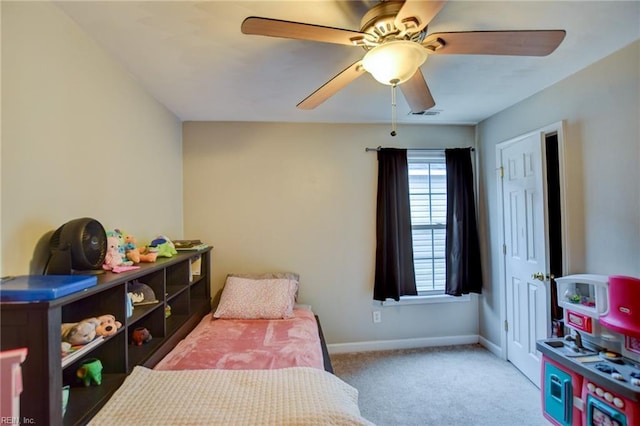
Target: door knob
(542,277)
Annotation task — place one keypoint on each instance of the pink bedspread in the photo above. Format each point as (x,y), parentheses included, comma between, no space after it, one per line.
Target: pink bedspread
(248,345)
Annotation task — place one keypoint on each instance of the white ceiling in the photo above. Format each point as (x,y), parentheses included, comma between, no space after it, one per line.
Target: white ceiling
(192,57)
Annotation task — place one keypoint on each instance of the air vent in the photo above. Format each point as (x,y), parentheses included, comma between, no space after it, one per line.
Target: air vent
(428,112)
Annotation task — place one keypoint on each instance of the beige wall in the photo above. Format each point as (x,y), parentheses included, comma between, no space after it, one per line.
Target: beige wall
(602,156)
(80,138)
(302,197)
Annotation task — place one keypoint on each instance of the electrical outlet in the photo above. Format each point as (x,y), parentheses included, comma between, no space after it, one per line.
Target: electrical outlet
(377,316)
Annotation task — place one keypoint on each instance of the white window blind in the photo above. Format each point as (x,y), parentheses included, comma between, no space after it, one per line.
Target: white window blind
(428,200)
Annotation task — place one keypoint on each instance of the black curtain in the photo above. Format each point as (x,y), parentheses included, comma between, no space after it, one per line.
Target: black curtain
(395,275)
(464,273)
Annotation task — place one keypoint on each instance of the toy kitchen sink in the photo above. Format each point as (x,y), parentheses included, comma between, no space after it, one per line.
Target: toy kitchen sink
(569,348)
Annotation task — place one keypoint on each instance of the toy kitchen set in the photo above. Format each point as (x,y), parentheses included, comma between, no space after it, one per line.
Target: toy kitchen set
(591,377)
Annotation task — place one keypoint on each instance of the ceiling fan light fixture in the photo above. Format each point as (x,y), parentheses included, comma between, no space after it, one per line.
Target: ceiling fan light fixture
(394,62)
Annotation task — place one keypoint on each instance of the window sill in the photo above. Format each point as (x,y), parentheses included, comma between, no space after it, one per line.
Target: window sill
(424,300)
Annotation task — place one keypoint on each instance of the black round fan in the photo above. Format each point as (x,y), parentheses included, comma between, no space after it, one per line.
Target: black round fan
(77,247)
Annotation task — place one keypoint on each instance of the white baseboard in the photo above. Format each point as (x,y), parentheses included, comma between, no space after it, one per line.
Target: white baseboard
(491,347)
(383,345)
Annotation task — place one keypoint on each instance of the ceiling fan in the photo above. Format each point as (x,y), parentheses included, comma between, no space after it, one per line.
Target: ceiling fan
(394,35)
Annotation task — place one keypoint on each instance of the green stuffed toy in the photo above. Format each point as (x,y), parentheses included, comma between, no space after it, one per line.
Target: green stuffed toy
(90,370)
(163,246)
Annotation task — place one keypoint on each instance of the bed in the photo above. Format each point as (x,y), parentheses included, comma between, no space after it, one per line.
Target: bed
(249,344)
(258,359)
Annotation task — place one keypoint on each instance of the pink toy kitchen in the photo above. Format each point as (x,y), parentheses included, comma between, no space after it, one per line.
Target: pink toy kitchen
(591,377)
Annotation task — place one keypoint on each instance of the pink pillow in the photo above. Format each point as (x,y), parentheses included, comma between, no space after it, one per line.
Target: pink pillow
(244,298)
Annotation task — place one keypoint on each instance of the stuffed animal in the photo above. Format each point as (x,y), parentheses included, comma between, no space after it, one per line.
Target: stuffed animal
(90,370)
(132,252)
(121,245)
(163,246)
(79,333)
(113,257)
(148,254)
(114,260)
(108,325)
(85,331)
(135,253)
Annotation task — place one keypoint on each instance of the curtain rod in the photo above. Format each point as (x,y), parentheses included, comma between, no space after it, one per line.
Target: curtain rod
(412,149)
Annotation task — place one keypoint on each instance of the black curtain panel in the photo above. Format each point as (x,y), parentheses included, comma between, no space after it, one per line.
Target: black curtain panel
(395,275)
(464,273)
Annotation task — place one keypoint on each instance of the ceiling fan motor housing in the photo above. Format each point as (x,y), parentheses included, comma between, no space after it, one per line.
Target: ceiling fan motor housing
(379,22)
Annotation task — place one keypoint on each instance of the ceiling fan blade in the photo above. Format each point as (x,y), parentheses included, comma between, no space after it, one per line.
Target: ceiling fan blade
(417,93)
(517,43)
(300,31)
(333,86)
(416,14)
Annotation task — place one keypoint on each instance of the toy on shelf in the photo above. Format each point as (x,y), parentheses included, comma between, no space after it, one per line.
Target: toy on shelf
(163,246)
(137,254)
(90,370)
(108,325)
(85,331)
(79,333)
(116,233)
(140,335)
(115,259)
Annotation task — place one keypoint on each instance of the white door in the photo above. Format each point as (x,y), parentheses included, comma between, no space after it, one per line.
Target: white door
(525,251)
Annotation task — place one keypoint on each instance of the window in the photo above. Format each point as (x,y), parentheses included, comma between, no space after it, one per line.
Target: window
(428,201)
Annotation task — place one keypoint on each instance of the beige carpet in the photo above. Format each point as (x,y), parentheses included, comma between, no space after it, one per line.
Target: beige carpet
(449,386)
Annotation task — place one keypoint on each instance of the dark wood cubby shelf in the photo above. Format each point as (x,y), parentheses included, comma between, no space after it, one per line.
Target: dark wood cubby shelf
(36,326)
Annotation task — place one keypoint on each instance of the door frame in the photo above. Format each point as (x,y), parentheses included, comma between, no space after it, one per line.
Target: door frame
(555,128)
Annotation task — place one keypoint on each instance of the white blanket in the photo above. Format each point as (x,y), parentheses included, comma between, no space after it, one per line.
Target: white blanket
(298,395)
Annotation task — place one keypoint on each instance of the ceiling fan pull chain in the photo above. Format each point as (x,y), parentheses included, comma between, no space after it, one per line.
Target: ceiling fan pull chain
(394,84)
